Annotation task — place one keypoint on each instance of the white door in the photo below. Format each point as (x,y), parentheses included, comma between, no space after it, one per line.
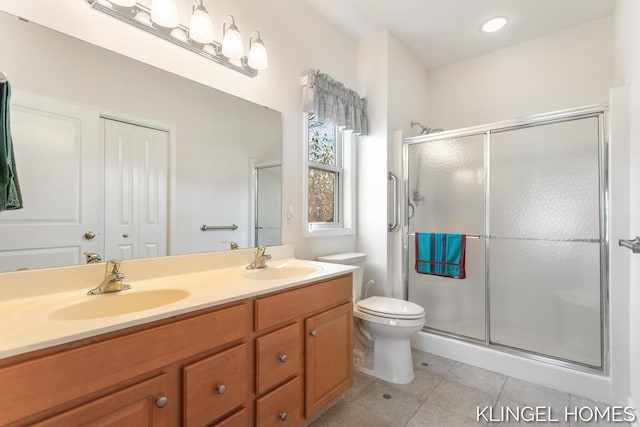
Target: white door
(136,162)
(59,165)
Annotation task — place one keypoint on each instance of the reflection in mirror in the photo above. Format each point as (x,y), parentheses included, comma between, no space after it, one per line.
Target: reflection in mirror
(123,160)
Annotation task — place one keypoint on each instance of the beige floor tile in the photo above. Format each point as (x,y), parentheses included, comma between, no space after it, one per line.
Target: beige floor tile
(460,399)
(389,403)
(431,362)
(347,414)
(360,383)
(481,379)
(422,385)
(434,416)
(531,394)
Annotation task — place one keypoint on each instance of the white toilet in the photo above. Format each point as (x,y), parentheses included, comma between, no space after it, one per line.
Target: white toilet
(387,323)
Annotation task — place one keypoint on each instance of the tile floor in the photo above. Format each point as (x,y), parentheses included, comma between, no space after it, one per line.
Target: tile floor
(446,393)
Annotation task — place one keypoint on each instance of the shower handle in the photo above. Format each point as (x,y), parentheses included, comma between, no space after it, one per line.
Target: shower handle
(394,179)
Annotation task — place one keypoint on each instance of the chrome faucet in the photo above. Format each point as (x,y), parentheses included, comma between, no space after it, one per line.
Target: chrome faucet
(261,259)
(112,281)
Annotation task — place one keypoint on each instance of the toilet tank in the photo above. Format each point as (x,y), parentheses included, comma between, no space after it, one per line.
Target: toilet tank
(351,258)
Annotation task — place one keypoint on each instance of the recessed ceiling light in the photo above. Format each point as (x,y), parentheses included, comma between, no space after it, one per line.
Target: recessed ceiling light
(494,24)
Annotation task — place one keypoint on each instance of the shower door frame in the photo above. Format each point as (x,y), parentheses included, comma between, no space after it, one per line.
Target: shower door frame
(599,111)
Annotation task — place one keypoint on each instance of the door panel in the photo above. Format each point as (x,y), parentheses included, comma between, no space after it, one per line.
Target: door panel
(57,148)
(135,191)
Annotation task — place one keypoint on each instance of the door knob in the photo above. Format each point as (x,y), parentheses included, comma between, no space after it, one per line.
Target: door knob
(92,257)
(89,235)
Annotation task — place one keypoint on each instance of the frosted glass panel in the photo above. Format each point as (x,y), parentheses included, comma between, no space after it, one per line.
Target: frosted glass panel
(545,297)
(446,195)
(455,306)
(544,181)
(446,186)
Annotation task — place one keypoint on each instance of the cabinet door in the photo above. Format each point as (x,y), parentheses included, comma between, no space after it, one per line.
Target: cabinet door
(135,406)
(329,366)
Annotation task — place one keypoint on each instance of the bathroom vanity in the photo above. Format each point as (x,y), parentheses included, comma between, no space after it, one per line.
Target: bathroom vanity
(275,354)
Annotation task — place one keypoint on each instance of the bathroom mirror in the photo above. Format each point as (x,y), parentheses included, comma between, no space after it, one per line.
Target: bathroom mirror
(94,179)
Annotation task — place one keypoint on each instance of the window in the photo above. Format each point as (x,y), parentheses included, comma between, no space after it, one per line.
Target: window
(329,168)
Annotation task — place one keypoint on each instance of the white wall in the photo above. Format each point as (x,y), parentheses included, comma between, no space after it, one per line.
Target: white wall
(566,69)
(627,72)
(297,39)
(407,101)
(372,161)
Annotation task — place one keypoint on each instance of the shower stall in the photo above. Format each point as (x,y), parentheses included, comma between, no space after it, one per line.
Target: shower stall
(531,196)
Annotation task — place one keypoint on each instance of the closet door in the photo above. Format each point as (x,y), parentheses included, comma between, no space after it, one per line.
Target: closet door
(136,162)
(59,164)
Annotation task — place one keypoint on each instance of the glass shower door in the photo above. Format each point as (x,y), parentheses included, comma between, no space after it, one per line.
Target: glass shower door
(446,195)
(544,251)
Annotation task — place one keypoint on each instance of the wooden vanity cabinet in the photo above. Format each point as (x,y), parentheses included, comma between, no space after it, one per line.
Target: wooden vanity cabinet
(271,360)
(323,313)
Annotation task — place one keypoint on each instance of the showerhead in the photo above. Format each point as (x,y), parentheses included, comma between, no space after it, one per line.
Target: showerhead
(425,129)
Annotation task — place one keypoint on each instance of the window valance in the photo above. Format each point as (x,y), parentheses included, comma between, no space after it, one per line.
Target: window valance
(333,103)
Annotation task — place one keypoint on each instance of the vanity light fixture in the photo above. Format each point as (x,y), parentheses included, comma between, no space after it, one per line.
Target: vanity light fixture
(164,13)
(257,53)
(232,46)
(494,24)
(200,28)
(162,20)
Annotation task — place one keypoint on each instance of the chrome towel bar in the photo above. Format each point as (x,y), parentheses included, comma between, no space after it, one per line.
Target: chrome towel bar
(205,227)
(634,244)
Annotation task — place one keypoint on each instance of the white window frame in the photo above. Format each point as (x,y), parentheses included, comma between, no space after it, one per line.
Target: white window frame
(345,200)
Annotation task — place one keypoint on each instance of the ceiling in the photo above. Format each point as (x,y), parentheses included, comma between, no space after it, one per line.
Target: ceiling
(443,32)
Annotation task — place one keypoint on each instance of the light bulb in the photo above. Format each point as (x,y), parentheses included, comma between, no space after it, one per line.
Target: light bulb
(164,13)
(232,46)
(200,28)
(258,59)
(494,24)
(124,3)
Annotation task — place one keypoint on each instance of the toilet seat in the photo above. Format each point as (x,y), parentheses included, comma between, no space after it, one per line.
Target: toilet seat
(390,308)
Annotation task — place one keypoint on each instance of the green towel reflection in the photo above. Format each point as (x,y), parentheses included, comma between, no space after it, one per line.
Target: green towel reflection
(10,195)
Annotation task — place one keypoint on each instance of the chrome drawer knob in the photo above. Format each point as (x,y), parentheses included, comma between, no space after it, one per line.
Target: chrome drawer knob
(314,333)
(161,401)
(221,388)
(283,415)
(283,358)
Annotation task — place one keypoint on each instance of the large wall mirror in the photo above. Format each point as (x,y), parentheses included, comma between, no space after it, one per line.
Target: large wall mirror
(123,160)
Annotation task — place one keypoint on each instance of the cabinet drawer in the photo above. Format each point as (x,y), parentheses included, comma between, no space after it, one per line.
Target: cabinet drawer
(281,407)
(239,419)
(284,307)
(278,357)
(35,384)
(215,386)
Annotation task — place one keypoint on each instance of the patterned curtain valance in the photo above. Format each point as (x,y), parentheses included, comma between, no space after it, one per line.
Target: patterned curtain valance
(333,103)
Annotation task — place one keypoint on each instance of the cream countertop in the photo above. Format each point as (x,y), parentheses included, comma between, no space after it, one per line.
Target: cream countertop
(31,301)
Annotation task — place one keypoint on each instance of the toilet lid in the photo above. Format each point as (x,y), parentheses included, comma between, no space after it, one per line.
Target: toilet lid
(390,307)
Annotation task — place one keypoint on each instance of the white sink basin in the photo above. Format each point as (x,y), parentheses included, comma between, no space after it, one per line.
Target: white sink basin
(116,303)
(286,271)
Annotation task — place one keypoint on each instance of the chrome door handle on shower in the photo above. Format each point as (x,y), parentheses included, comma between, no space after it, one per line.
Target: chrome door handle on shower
(394,179)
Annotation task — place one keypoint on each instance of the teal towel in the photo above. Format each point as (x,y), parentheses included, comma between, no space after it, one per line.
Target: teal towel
(441,254)
(10,195)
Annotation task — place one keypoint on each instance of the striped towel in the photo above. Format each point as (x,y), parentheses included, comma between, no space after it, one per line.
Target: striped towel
(441,254)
